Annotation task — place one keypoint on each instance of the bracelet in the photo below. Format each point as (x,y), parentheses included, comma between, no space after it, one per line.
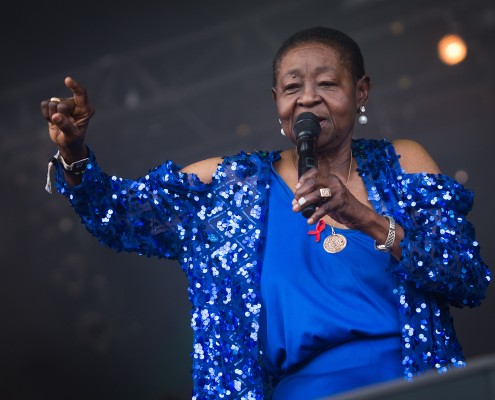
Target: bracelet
(389,242)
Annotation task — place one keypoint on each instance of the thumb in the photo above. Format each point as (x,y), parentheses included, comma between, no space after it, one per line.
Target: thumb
(64,124)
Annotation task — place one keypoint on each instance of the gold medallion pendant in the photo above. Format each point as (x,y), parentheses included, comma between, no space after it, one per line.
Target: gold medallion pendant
(334,243)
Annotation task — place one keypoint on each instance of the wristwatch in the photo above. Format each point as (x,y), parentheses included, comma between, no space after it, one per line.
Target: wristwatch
(76,168)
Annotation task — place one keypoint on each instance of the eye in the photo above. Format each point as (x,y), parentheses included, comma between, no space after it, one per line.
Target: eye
(327,84)
(291,87)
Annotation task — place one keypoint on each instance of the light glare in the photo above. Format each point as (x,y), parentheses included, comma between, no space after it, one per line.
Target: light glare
(452,49)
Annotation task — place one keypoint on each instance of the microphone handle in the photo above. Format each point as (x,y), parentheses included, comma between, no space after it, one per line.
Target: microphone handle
(306,150)
(308,211)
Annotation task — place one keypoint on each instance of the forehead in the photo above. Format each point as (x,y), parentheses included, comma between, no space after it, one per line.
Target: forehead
(307,55)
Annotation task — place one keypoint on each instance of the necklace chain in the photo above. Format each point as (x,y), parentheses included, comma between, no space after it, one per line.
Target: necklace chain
(348,173)
(346,183)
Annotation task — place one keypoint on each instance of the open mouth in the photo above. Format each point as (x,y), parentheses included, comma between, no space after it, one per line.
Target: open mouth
(322,120)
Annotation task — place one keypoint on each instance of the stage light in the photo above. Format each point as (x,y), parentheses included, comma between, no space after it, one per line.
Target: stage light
(452,49)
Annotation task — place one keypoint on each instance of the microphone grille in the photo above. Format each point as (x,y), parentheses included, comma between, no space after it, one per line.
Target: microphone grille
(305,122)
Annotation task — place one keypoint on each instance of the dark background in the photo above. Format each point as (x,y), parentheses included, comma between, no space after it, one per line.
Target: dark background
(189,80)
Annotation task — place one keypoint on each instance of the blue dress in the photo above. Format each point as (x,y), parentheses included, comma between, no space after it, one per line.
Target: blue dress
(330,321)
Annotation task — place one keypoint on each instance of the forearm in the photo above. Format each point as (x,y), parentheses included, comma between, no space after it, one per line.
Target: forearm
(127,215)
(437,253)
(71,156)
(440,254)
(378,228)
(71,179)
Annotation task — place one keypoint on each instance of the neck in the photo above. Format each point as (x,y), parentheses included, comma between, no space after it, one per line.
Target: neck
(332,162)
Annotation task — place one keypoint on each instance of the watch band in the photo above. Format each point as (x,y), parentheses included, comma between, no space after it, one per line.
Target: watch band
(76,168)
(389,242)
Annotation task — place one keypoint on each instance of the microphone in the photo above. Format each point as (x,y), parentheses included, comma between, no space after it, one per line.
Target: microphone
(307,129)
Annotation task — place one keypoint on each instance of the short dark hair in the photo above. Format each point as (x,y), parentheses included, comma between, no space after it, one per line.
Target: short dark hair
(349,50)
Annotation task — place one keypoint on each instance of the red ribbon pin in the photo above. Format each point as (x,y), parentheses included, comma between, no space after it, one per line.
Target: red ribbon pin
(320,227)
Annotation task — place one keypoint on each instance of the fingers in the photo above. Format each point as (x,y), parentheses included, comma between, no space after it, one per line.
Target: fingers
(44,110)
(64,124)
(307,186)
(308,198)
(51,107)
(310,175)
(321,192)
(320,212)
(79,93)
(324,206)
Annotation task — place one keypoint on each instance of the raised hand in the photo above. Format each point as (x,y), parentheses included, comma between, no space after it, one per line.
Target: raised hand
(68,120)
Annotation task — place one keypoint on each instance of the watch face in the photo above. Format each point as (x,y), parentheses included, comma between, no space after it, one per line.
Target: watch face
(78,165)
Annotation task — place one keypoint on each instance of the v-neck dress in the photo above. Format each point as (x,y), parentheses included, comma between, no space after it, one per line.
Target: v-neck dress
(329,321)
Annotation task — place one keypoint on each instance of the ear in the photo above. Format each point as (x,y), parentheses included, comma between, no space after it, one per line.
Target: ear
(274,94)
(363,87)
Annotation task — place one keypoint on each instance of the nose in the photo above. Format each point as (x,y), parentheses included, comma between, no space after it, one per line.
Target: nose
(309,96)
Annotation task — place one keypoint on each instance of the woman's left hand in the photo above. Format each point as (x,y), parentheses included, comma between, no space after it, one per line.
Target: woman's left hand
(341,205)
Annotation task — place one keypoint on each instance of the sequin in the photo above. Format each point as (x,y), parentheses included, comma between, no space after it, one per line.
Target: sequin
(216,231)
(438,254)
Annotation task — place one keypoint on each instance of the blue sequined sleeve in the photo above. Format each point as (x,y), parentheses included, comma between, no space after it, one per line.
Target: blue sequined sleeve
(439,250)
(146,215)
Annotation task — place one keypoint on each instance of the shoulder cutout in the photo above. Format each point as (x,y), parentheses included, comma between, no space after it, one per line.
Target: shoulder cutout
(414,158)
(204,169)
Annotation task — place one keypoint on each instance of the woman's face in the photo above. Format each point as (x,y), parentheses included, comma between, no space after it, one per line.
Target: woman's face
(312,77)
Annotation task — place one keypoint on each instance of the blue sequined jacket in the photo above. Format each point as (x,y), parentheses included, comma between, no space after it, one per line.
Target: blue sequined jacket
(216,231)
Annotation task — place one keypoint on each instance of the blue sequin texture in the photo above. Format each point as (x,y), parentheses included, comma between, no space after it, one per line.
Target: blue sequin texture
(216,231)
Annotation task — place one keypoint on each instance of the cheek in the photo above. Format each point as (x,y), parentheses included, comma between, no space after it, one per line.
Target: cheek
(343,109)
(283,109)
(341,103)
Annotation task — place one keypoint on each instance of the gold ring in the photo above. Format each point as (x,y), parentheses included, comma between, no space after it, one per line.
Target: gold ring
(325,192)
(57,99)
(302,201)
